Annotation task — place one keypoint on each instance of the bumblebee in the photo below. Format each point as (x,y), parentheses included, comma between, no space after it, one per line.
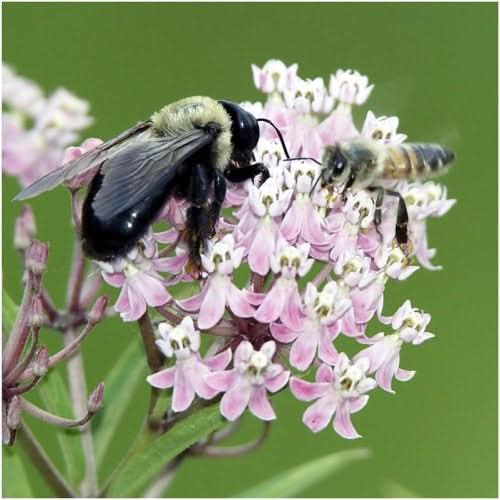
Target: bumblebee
(187,150)
(365,164)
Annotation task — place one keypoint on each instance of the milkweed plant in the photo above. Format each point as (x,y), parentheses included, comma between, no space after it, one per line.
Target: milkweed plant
(293,268)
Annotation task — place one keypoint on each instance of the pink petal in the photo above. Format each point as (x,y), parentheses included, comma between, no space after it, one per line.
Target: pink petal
(317,416)
(342,422)
(282,334)
(292,315)
(221,380)
(151,288)
(311,228)
(260,406)
(276,383)
(307,391)
(261,249)
(235,400)
(219,361)
(136,304)
(237,303)
(163,379)
(357,404)
(191,304)
(386,373)
(254,298)
(197,376)
(304,349)
(404,375)
(326,351)
(213,305)
(114,279)
(273,304)
(183,391)
(172,265)
(290,227)
(324,374)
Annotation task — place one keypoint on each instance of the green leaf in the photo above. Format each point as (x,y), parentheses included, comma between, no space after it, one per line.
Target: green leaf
(55,396)
(9,313)
(150,458)
(392,489)
(298,479)
(15,478)
(120,383)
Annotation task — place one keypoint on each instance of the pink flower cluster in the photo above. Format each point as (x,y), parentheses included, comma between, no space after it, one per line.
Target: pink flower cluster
(290,269)
(36,128)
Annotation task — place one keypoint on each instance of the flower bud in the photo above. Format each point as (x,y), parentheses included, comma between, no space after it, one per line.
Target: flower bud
(25,229)
(36,257)
(41,362)
(98,310)
(14,413)
(96,399)
(37,313)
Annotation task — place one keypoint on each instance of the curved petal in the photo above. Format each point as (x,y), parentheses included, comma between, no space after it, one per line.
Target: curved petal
(292,315)
(386,373)
(290,227)
(282,334)
(304,349)
(114,279)
(191,304)
(273,304)
(260,406)
(237,303)
(212,306)
(342,422)
(163,379)
(221,380)
(219,361)
(183,391)
(151,288)
(261,249)
(404,375)
(317,416)
(324,374)
(326,351)
(197,376)
(307,391)
(357,404)
(276,383)
(235,400)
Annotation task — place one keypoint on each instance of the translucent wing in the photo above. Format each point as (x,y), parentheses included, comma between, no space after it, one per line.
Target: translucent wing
(88,160)
(143,169)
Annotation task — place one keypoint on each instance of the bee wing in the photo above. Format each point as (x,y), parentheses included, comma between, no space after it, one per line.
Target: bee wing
(88,160)
(144,169)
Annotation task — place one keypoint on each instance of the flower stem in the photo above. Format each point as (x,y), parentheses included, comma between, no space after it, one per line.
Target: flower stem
(43,463)
(53,419)
(162,482)
(76,277)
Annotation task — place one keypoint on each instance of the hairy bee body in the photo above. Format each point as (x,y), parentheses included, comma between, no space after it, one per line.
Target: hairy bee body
(361,163)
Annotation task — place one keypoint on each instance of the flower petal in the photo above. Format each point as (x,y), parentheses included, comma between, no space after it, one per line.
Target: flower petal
(304,349)
(235,400)
(324,374)
(276,383)
(307,391)
(342,422)
(163,379)
(317,416)
(219,361)
(260,406)
(282,334)
(212,306)
(183,390)
(273,304)
(221,380)
(237,303)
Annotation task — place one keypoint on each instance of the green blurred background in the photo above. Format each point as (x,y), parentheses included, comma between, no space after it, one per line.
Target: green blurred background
(435,66)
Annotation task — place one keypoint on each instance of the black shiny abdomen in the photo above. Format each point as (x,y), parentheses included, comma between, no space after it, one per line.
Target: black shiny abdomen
(114,237)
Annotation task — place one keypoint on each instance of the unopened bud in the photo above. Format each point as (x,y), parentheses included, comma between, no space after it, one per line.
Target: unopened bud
(37,313)
(41,362)
(96,399)
(98,309)
(14,413)
(25,229)
(36,257)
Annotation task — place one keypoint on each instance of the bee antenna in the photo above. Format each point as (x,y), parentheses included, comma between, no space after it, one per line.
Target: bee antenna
(304,158)
(283,145)
(313,187)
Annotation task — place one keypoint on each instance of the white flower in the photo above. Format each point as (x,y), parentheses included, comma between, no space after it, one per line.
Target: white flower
(349,87)
(382,129)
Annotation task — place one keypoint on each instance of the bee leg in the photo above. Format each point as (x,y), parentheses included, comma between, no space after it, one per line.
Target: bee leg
(401,222)
(241,174)
(197,217)
(220,188)
(377,216)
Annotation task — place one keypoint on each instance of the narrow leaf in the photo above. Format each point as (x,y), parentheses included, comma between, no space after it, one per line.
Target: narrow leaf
(298,479)
(120,383)
(15,482)
(9,313)
(392,489)
(150,459)
(55,396)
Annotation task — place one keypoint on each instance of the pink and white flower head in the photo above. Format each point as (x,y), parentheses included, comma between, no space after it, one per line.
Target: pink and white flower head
(318,326)
(274,76)
(138,277)
(382,129)
(392,261)
(308,96)
(188,375)
(426,200)
(246,384)
(354,270)
(19,93)
(339,392)
(283,300)
(349,87)
(383,354)
(260,228)
(220,261)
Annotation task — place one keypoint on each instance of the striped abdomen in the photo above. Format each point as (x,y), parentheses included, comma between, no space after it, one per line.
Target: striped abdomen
(416,161)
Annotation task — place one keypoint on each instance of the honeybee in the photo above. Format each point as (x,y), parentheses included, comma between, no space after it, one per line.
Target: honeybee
(364,164)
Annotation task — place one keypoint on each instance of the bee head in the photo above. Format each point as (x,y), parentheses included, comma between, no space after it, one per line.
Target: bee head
(244,131)
(336,167)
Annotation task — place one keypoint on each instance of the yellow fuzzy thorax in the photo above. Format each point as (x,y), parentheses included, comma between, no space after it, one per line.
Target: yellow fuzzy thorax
(194,112)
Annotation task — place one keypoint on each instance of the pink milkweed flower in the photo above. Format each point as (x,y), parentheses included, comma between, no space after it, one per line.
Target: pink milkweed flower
(318,327)
(426,200)
(302,220)
(188,375)
(220,261)
(261,226)
(382,129)
(393,262)
(274,76)
(247,383)
(349,87)
(137,276)
(19,93)
(339,392)
(306,96)
(356,216)
(283,300)
(409,325)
